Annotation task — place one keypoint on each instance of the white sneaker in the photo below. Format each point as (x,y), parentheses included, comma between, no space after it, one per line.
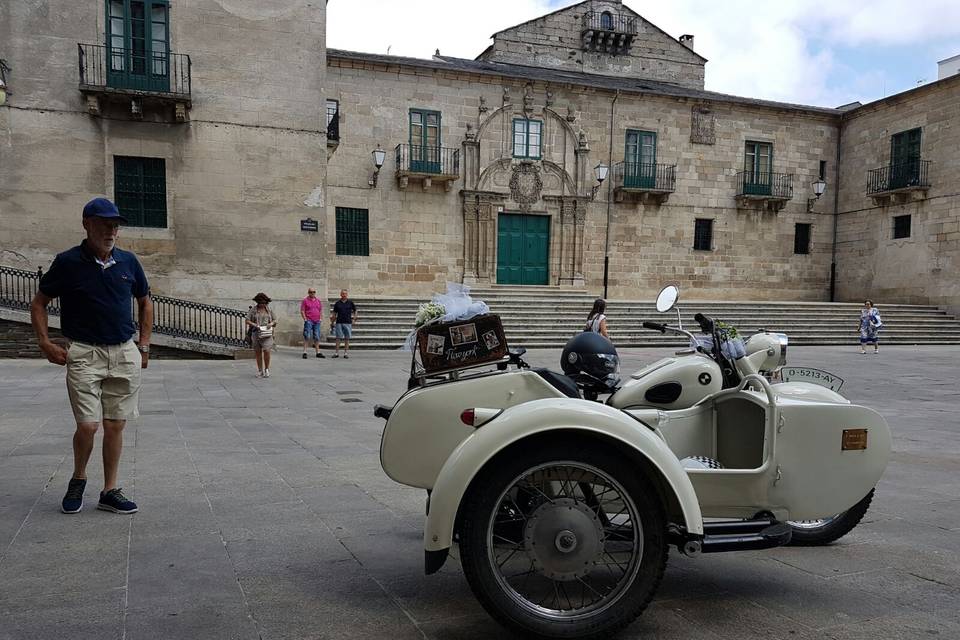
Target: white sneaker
(266,373)
(259,374)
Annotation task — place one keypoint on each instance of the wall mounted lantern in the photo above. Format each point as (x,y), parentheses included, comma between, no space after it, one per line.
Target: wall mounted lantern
(600,171)
(379,155)
(819,186)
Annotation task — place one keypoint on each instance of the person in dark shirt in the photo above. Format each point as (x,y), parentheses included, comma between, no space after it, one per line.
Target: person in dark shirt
(95,282)
(343,315)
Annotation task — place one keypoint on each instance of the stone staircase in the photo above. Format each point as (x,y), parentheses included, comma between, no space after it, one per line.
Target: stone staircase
(546,317)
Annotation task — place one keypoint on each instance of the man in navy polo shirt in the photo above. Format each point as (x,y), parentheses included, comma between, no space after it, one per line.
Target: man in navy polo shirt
(95,282)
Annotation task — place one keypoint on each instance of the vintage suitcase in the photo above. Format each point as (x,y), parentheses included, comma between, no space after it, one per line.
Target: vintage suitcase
(448,345)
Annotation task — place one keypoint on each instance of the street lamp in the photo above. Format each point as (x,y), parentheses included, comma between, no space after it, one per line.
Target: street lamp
(819,186)
(379,155)
(600,171)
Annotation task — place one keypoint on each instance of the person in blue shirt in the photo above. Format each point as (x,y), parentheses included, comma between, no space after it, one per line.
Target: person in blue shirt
(343,316)
(95,282)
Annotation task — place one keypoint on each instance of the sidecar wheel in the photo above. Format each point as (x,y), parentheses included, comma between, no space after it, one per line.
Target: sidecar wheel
(566,540)
(814,533)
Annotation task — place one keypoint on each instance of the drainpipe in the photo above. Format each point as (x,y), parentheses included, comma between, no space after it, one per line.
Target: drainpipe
(836,216)
(606,245)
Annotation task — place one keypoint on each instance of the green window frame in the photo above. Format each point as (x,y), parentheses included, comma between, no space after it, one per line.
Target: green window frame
(758,168)
(138,44)
(353,232)
(905,158)
(425,140)
(640,159)
(527,138)
(140,190)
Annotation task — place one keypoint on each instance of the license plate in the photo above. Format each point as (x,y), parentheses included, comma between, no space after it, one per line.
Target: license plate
(816,376)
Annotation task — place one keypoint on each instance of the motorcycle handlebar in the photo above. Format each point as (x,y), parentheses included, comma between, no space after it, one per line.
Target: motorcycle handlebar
(655,326)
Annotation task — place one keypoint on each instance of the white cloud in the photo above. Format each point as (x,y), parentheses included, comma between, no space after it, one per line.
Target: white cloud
(780,50)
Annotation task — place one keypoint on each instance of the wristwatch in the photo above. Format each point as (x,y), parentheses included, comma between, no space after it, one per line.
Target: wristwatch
(143,348)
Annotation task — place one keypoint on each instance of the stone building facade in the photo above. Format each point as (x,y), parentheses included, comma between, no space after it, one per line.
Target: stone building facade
(216,133)
(490,165)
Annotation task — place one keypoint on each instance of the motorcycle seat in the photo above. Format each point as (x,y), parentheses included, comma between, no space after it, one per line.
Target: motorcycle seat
(559,382)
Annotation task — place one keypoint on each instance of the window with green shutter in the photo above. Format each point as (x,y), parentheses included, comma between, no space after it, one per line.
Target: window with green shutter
(138,44)
(353,232)
(527,138)
(140,190)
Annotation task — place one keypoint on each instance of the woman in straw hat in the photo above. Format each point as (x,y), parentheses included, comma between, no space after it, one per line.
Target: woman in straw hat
(262,321)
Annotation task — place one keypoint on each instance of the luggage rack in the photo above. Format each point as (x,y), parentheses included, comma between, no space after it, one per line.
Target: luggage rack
(422,376)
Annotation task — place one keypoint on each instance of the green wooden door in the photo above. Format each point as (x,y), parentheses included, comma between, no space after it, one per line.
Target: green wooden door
(523,249)
(138,51)
(424,141)
(640,170)
(758,163)
(905,159)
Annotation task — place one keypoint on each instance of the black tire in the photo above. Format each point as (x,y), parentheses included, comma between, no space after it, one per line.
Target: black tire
(820,532)
(500,491)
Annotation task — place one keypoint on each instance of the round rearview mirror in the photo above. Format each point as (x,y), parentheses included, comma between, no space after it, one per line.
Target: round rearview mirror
(667,297)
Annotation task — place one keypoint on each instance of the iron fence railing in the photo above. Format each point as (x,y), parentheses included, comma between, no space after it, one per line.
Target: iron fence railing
(171,316)
(607,21)
(102,67)
(198,321)
(18,286)
(773,185)
(415,158)
(913,173)
(645,176)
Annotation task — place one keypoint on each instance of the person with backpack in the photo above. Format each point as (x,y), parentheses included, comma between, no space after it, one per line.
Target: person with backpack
(597,321)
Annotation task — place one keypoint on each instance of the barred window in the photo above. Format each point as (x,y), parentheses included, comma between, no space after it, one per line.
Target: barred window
(801,239)
(703,234)
(353,235)
(901,227)
(140,190)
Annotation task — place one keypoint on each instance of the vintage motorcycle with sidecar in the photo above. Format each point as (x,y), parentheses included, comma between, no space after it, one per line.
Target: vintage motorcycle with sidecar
(563,506)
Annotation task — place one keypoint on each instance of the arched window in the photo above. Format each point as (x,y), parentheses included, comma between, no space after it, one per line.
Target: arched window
(606,21)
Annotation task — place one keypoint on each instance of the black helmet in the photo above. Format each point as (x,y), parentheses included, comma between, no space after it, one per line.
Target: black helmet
(594,356)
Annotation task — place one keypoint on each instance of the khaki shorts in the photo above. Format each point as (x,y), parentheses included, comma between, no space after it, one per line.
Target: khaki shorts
(104,381)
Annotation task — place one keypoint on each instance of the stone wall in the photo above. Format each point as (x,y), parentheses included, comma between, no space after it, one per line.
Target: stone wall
(247,165)
(870,263)
(555,41)
(418,239)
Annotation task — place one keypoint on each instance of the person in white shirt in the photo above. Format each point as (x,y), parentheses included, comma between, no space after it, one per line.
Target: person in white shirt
(597,321)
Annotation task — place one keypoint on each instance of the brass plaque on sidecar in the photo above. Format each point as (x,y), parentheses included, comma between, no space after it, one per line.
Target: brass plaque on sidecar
(854,439)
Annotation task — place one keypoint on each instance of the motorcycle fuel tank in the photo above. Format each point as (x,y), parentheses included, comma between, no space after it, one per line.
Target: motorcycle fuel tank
(671,383)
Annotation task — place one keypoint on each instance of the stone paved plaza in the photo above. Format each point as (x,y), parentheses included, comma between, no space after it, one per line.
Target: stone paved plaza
(265,514)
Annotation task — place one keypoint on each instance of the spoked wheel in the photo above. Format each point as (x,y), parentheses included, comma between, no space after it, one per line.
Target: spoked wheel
(564,542)
(812,533)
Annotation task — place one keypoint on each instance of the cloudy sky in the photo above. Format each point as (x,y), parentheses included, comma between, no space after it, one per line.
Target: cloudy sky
(820,52)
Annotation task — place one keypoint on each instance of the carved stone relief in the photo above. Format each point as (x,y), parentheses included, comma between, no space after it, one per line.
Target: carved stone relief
(526,184)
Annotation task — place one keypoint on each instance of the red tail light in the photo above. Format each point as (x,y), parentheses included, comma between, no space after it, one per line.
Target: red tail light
(468,416)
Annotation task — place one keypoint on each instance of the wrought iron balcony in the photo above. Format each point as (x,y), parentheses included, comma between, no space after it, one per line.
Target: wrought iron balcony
(651,181)
(428,164)
(902,178)
(135,76)
(771,190)
(608,32)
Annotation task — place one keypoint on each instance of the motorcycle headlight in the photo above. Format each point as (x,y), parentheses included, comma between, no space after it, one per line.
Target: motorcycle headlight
(783,340)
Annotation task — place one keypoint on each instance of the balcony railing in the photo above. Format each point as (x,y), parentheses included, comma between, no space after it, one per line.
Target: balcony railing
(171,316)
(775,186)
(425,160)
(640,176)
(607,21)
(913,174)
(103,67)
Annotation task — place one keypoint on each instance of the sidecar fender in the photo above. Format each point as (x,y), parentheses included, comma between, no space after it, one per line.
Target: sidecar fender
(536,418)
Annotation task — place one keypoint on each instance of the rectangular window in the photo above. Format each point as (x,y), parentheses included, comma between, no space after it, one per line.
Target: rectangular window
(640,160)
(757,167)
(353,235)
(905,159)
(138,44)
(823,170)
(424,141)
(140,190)
(801,239)
(901,227)
(333,120)
(527,138)
(333,108)
(703,234)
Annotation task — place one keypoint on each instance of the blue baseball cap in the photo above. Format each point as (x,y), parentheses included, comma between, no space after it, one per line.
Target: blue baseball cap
(102,208)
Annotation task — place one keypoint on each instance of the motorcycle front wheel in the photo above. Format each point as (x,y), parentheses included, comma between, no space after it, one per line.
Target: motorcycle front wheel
(815,533)
(563,541)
